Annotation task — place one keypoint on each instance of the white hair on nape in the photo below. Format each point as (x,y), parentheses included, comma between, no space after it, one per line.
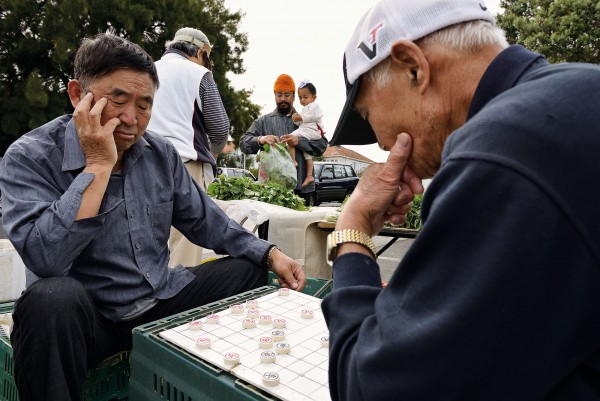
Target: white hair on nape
(468,37)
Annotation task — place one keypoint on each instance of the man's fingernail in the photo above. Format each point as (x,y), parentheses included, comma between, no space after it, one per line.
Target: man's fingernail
(403,139)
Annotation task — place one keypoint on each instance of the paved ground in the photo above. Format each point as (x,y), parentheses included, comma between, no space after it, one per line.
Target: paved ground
(389,260)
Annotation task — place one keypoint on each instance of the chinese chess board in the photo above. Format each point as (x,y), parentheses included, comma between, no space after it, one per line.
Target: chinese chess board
(278,343)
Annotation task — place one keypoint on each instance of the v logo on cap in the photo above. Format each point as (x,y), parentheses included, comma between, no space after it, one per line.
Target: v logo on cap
(371,52)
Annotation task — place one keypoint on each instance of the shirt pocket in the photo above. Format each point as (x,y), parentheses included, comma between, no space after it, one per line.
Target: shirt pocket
(161,215)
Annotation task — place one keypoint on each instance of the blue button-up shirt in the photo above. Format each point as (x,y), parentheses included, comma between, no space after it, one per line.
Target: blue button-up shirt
(121,255)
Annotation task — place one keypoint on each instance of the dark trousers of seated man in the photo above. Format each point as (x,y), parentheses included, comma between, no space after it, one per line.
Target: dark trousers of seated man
(58,334)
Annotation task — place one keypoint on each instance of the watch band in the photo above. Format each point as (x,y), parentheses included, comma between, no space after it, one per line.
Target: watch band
(267,257)
(337,238)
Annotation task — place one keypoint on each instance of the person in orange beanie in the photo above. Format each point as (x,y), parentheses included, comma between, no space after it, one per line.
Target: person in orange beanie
(284,83)
(277,126)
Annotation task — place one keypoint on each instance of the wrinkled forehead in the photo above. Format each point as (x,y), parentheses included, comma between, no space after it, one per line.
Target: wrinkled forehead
(125,81)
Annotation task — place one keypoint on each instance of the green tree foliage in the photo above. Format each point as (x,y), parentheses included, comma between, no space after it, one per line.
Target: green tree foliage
(561,30)
(39,38)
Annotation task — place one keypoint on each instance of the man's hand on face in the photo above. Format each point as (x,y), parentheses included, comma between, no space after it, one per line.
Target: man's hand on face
(384,193)
(97,141)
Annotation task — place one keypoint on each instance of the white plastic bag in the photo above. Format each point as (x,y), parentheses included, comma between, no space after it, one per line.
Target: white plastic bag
(276,165)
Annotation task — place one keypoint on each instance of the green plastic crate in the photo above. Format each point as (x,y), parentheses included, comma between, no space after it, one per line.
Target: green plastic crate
(161,370)
(109,381)
(314,286)
(8,390)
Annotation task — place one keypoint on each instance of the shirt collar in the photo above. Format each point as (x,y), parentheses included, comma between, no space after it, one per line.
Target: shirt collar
(74,158)
(173,53)
(502,74)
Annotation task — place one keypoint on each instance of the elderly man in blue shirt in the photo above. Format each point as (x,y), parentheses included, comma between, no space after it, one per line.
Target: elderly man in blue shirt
(89,200)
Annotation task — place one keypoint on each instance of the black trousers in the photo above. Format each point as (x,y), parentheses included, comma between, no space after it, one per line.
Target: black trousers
(58,334)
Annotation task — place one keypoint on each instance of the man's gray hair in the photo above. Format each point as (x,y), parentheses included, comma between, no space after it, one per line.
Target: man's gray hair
(468,37)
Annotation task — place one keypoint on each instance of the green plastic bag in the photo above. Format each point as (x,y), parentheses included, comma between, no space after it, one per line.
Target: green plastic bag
(276,165)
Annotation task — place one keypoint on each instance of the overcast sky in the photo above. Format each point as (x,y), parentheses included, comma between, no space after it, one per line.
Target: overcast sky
(305,39)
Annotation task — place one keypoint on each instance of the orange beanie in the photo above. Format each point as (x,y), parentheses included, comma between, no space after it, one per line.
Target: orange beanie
(284,83)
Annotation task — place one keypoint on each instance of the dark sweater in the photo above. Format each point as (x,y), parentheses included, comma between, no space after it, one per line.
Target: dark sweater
(498,298)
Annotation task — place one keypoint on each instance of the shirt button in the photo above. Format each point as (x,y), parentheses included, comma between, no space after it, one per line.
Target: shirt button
(137,246)
(147,275)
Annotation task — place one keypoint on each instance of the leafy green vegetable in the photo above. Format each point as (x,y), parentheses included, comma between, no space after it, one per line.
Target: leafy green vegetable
(235,188)
(413,218)
(276,166)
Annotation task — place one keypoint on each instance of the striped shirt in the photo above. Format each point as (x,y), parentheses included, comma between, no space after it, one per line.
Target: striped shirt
(188,109)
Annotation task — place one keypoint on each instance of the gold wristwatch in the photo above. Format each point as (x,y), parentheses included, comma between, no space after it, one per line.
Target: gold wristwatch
(340,237)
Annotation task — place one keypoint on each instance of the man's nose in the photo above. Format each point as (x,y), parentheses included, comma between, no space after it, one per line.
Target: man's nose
(129,116)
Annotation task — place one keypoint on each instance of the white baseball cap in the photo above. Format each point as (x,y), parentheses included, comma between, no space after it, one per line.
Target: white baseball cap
(193,36)
(385,23)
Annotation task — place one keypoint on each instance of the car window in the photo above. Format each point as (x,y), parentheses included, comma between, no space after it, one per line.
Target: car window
(339,171)
(327,173)
(350,171)
(317,168)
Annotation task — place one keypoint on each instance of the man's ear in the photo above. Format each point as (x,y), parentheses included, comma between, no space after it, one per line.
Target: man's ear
(412,62)
(76,92)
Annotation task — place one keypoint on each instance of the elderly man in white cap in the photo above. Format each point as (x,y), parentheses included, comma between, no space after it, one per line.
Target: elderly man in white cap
(189,112)
(498,296)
